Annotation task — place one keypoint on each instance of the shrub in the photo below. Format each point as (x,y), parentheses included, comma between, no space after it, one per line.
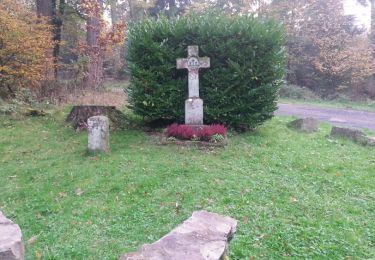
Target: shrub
(296,92)
(186,132)
(240,88)
(208,131)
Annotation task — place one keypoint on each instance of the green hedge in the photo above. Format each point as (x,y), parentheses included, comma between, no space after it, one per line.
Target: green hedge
(239,90)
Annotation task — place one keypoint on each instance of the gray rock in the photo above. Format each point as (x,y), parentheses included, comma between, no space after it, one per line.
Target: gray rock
(98,134)
(351,134)
(11,245)
(371,141)
(305,124)
(204,236)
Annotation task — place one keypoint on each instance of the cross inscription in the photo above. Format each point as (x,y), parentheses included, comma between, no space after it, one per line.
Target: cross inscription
(193,63)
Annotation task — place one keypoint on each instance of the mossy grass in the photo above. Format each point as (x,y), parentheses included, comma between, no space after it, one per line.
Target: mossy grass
(366,106)
(295,195)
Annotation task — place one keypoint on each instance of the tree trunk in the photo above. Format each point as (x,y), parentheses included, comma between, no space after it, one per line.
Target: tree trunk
(58,23)
(45,9)
(94,76)
(372,35)
(116,19)
(79,114)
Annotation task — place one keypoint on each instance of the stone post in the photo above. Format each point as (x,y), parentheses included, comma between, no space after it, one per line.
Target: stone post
(98,134)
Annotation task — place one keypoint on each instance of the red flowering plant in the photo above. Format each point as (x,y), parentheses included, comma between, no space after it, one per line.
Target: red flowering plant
(206,133)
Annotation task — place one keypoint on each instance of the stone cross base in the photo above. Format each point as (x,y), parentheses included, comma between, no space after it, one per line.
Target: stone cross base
(98,134)
(204,236)
(194,111)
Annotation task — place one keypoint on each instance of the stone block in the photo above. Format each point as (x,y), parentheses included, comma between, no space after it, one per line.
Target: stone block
(371,141)
(204,236)
(348,133)
(194,111)
(305,124)
(11,245)
(98,134)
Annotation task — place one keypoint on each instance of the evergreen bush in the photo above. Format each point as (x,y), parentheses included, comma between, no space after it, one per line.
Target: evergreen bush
(239,90)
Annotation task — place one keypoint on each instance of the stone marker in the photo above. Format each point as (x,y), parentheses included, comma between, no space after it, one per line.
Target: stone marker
(204,235)
(11,245)
(371,141)
(351,134)
(193,105)
(305,124)
(98,134)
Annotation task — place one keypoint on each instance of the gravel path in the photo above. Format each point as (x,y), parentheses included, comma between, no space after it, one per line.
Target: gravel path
(336,116)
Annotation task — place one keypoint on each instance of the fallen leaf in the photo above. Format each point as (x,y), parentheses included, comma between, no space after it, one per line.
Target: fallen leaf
(32,240)
(292,199)
(79,192)
(38,255)
(62,194)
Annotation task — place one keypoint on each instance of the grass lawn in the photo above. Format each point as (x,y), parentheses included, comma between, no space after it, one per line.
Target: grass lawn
(367,106)
(295,195)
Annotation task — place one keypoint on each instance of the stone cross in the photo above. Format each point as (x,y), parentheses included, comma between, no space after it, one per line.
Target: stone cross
(193,105)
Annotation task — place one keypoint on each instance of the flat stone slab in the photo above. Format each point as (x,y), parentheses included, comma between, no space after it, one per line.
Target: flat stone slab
(204,236)
(11,245)
(305,124)
(352,134)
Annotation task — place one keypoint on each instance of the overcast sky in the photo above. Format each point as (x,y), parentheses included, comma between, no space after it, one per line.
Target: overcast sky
(363,14)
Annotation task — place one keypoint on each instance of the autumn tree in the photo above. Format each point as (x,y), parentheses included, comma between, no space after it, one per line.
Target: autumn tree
(169,7)
(53,11)
(370,86)
(117,12)
(230,7)
(326,51)
(100,39)
(94,26)
(370,4)
(25,47)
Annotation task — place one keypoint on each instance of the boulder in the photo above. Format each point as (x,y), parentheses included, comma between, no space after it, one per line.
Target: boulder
(204,236)
(11,245)
(308,125)
(351,134)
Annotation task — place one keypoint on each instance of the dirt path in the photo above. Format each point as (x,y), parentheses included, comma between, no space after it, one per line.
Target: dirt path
(336,116)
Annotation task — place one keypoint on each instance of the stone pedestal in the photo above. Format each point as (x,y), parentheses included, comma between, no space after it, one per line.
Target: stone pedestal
(11,245)
(98,134)
(194,111)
